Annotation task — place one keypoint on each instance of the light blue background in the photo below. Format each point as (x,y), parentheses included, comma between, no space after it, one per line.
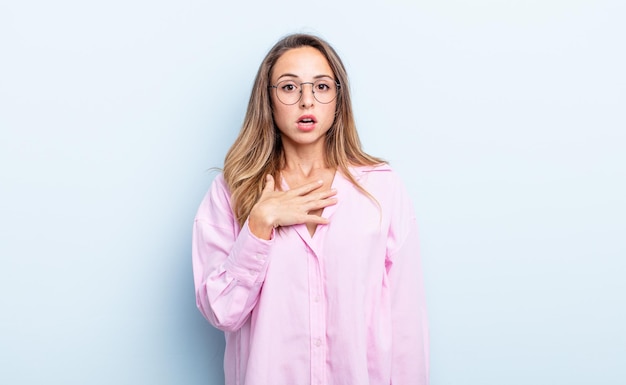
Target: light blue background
(506,119)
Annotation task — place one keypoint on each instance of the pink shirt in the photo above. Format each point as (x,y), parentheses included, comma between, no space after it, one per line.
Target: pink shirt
(344,307)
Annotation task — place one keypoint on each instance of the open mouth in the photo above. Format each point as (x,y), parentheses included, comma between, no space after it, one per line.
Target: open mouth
(307,120)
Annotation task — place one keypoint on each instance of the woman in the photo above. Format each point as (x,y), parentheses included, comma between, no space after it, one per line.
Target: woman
(305,248)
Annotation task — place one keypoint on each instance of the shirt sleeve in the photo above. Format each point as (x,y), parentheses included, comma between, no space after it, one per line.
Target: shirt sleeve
(229,264)
(410,346)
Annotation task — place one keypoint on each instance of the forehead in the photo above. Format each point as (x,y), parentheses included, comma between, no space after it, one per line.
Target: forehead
(302,62)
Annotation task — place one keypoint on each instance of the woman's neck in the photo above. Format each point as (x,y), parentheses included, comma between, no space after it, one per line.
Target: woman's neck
(305,162)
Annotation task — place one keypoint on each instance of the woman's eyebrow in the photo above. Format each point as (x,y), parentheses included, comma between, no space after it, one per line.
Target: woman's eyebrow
(287,75)
(322,76)
(296,76)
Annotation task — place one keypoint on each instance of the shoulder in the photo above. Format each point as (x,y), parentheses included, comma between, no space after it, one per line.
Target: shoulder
(216,199)
(384,183)
(376,174)
(219,181)
(219,188)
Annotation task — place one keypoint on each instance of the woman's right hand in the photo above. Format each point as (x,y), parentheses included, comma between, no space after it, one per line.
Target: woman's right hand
(285,208)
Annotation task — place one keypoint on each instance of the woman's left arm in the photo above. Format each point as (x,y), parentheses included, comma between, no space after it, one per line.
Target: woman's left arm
(410,347)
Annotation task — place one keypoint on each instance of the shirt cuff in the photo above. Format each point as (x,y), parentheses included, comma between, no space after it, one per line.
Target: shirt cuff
(249,257)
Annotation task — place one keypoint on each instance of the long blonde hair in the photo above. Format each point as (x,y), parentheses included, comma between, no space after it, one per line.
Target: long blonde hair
(258,149)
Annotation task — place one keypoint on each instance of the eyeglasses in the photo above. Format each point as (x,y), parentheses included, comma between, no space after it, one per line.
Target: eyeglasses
(289,92)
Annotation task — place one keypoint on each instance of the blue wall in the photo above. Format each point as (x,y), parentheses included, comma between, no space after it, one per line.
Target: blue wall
(506,120)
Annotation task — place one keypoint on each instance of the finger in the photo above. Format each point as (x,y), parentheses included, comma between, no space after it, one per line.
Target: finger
(318,220)
(320,204)
(318,197)
(311,201)
(326,194)
(269,183)
(307,188)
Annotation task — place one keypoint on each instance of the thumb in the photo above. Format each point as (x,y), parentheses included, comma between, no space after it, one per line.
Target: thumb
(269,183)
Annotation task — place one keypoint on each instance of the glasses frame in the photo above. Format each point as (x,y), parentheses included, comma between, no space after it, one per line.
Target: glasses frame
(275,86)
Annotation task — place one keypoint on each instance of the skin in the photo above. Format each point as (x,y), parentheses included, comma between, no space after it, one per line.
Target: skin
(306,170)
(306,63)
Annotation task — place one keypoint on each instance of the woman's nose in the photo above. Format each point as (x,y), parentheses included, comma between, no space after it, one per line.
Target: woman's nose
(307,97)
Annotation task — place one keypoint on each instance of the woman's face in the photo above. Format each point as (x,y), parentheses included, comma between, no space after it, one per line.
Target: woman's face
(305,122)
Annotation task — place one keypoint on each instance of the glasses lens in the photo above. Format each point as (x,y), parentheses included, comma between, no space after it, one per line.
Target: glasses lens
(289,92)
(325,90)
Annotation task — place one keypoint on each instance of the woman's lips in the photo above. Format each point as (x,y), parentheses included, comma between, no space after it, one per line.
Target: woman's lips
(306,122)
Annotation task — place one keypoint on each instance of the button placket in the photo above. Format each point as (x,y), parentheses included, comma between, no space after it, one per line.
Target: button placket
(317,319)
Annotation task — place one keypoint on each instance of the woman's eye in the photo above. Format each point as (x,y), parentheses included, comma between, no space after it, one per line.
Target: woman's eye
(323,87)
(289,87)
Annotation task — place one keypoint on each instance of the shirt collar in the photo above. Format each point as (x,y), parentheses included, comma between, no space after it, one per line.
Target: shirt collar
(358,171)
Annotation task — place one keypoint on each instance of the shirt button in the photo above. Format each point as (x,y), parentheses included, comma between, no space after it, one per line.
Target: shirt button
(318,342)
(316,299)
(253,272)
(259,256)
